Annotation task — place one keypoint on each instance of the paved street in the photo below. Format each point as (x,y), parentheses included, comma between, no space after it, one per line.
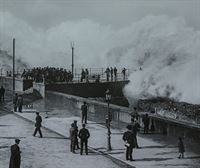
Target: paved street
(52,151)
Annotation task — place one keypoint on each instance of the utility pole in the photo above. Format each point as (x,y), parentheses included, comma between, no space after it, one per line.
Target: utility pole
(13,65)
(72,46)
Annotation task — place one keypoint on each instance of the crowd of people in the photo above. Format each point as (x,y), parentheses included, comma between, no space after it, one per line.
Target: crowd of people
(111,74)
(50,74)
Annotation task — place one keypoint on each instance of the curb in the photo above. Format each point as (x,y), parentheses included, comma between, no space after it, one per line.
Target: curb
(119,162)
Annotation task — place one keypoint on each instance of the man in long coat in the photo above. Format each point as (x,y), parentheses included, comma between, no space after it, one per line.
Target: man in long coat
(84,134)
(38,124)
(129,139)
(15,158)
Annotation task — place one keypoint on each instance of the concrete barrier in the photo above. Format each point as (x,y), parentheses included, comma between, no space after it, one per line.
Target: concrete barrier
(40,87)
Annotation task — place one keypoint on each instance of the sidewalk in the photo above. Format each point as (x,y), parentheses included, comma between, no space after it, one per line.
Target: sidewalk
(152,154)
(52,151)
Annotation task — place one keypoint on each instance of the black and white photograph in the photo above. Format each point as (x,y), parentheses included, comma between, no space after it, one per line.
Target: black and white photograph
(99,83)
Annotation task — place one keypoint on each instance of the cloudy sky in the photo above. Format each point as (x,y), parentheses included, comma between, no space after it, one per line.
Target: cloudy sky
(117,13)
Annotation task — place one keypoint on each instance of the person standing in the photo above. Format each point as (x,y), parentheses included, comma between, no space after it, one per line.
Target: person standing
(20,103)
(146,124)
(15,100)
(72,133)
(181,148)
(111,73)
(115,73)
(107,74)
(135,129)
(76,135)
(2,93)
(15,158)
(124,73)
(84,135)
(84,109)
(129,139)
(38,124)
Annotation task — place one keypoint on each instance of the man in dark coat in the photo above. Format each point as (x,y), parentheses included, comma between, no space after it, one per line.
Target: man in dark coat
(15,158)
(135,129)
(38,120)
(20,103)
(84,134)
(84,110)
(129,139)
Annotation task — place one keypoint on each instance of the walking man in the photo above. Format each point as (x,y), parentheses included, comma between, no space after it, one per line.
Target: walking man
(38,120)
(84,109)
(84,135)
(115,73)
(129,139)
(15,158)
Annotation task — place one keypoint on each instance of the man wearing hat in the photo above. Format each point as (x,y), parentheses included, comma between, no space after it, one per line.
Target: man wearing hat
(129,139)
(38,124)
(76,135)
(15,158)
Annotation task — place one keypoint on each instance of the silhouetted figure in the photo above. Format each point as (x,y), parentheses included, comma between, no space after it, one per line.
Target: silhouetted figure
(2,93)
(84,135)
(134,114)
(20,103)
(129,140)
(38,124)
(111,73)
(124,73)
(181,148)
(87,75)
(115,73)
(15,100)
(15,158)
(146,123)
(84,110)
(73,133)
(107,74)
(83,75)
(76,135)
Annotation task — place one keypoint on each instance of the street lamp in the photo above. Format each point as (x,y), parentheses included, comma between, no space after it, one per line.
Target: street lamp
(108,119)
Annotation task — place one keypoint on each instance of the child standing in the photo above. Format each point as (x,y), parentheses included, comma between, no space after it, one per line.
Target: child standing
(181,148)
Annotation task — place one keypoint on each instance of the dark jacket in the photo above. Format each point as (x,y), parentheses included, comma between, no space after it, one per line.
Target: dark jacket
(15,158)
(129,138)
(38,120)
(84,134)
(73,133)
(84,109)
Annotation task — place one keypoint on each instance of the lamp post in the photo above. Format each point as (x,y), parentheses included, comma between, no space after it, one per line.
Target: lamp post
(72,46)
(108,119)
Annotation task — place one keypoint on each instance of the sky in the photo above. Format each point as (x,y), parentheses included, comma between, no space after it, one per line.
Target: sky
(162,36)
(117,13)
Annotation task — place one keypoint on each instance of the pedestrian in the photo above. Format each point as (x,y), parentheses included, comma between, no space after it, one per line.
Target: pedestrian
(2,93)
(15,100)
(111,73)
(76,135)
(72,133)
(84,109)
(15,158)
(87,75)
(84,135)
(146,123)
(135,129)
(82,75)
(107,74)
(38,124)
(20,103)
(124,73)
(134,114)
(115,73)
(129,140)
(181,148)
